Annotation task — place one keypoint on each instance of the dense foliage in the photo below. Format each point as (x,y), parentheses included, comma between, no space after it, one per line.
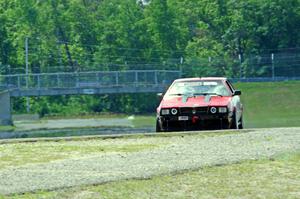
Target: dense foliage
(76,35)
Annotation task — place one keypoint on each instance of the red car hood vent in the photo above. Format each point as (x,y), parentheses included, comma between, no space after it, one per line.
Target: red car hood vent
(194,101)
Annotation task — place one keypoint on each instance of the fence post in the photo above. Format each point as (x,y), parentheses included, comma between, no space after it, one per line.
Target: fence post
(273,68)
(181,64)
(26,62)
(241,69)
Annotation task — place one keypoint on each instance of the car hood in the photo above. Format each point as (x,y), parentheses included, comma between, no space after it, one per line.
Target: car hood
(194,101)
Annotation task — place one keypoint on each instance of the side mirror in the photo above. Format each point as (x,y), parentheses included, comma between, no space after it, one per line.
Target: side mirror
(237,92)
(160,95)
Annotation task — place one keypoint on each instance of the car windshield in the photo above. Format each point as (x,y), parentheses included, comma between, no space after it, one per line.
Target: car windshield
(192,88)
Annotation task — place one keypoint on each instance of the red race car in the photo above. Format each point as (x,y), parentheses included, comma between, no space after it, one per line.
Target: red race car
(200,103)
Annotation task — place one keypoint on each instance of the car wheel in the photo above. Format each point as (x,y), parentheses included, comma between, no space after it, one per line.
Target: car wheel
(241,124)
(234,122)
(158,129)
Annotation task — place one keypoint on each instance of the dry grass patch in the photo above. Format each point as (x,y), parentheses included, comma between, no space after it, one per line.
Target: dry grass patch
(19,154)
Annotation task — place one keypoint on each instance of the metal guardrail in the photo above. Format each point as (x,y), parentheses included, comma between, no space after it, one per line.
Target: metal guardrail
(96,79)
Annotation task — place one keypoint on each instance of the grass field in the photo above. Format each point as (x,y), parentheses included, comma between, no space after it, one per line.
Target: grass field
(271,104)
(7,128)
(268,178)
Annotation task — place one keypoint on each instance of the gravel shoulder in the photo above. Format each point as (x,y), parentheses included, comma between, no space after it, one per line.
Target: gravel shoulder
(173,154)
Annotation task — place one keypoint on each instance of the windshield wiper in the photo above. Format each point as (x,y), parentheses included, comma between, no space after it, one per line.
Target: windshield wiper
(178,94)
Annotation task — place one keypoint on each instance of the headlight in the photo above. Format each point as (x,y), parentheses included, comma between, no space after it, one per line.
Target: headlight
(213,110)
(165,111)
(174,111)
(222,110)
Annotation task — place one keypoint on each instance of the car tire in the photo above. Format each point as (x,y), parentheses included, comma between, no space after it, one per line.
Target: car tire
(241,124)
(234,122)
(158,129)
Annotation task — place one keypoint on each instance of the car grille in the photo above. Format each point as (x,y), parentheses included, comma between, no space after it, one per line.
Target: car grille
(189,110)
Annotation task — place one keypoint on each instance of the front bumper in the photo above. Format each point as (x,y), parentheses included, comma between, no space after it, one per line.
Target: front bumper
(194,121)
(192,117)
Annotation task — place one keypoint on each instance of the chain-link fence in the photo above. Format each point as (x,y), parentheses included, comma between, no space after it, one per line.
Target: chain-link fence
(272,66)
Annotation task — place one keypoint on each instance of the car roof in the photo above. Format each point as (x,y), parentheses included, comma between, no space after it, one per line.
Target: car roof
(200,78)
